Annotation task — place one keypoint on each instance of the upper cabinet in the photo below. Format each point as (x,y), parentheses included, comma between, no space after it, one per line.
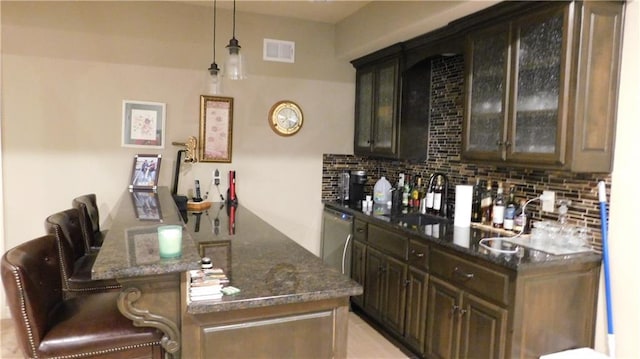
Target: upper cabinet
(392,106)
(377,88)
(541,87)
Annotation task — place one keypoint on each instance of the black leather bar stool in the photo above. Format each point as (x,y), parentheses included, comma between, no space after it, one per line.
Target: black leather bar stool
(49,326)
(89,221)
(75,264)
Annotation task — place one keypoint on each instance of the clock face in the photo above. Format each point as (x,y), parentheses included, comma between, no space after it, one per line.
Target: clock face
(285,118)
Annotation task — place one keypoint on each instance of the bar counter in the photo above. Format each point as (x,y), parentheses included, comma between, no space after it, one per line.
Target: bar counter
(287,297)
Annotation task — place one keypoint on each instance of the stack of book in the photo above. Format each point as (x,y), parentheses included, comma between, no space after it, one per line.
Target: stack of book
(206,284)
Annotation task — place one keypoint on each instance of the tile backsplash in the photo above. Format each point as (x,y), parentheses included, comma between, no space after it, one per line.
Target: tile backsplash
(444,145)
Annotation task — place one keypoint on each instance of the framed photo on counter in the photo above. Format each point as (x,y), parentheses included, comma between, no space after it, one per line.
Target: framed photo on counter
(216,128)
(143,124)
(144,174)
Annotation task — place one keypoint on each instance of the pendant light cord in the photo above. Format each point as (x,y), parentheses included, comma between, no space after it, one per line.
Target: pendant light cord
(234,19)
(214,31)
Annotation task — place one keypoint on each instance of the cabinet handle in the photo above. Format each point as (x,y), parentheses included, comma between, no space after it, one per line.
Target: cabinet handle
(499,143)
(462,274)
(417,254)
(507,144)
(462,312)
(454,309)
(359,230)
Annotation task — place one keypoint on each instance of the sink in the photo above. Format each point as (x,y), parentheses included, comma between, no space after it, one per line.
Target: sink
(418,219)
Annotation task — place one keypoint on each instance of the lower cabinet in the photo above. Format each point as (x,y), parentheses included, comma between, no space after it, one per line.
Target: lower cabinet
(384,298)
(415,320)
(440,303)
(461,325)
(358,268)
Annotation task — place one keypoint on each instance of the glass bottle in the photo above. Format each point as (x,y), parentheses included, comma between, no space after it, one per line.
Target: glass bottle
(429,197)
(406,192)
(415,193)
(510,209)
(437,197)
(487,204)
(522,219)
(476,209)
(497,213)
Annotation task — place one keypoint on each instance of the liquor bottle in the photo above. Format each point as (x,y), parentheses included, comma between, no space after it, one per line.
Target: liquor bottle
(522,219)
(406,192)
(510,209)
(437,197)
(476,209)
(497,213)
(409,190)
(429,197)
(415,193)
(487,204)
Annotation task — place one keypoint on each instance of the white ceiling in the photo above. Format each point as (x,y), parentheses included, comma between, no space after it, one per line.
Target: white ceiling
(327,11)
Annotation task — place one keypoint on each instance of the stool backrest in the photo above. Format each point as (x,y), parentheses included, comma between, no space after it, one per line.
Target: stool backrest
(31,278)
(65,226)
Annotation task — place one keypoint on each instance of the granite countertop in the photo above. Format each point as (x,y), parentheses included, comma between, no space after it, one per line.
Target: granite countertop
(267,266)
(466,240)
(130,248)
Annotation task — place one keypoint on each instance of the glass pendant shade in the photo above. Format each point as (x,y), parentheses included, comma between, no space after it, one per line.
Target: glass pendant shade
(215,79)
(234,66)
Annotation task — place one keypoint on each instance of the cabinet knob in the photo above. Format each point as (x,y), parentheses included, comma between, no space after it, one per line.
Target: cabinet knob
(417,254)
(454,309)
(462,274)
(359,230)
(507,144)
(499,143)
(462,312)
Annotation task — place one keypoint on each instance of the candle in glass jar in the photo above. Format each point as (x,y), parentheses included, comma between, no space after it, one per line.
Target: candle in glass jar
(170,241)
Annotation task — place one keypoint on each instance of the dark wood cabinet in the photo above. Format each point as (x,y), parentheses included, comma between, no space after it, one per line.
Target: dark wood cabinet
(392,106)
(377,103)
(358,268)
(541,87)
(461,325)
(416,309)
(373,279)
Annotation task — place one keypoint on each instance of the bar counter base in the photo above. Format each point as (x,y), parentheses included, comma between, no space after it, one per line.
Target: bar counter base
(316,329)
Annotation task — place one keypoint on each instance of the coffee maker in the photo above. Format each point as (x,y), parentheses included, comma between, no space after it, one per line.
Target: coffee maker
(357,180)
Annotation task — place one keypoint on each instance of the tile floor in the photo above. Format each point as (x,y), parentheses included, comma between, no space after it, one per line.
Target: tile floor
(363,343)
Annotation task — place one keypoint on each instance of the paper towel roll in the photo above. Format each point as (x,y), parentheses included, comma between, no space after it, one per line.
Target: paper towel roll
(462,236)
(464,197)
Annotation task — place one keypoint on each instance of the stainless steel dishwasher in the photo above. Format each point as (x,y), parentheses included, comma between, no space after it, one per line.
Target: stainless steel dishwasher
(337,230)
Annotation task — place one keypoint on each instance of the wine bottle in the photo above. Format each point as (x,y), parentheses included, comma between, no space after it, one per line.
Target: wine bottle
(497,213)
(487,204)
(429,197)
(437,197)
(510,209)
(476,209)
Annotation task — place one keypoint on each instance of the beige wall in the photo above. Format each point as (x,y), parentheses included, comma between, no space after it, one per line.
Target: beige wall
(65,71)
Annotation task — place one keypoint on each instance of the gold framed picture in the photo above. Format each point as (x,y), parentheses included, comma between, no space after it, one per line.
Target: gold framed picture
(216,128)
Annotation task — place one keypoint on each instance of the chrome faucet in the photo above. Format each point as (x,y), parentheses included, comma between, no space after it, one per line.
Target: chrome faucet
(444,204)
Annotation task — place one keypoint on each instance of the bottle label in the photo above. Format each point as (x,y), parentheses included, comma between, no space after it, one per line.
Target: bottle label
(508,224)
(486,202)
(498,215)
(430,198)
(437,201)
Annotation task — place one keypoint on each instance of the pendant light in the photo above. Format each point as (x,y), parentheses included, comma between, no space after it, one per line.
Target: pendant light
(215,77)
(234,67)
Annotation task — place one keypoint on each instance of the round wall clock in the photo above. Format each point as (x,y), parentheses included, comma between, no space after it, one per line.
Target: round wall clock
(285,118)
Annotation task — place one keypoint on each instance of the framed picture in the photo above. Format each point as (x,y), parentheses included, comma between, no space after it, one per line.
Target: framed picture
(144,174)
(216,128)
(146,206)
(143,124)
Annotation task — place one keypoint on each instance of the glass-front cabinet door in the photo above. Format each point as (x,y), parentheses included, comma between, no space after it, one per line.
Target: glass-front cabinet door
(515,74)
(487,83)
(536,121)
(377,89)
(364,110)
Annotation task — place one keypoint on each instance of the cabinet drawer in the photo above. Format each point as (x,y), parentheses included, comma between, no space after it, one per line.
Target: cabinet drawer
(387,241)
(483,281)
(418,254)
(360,230)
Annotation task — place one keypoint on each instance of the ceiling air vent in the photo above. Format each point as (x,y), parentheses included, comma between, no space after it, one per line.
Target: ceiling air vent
(279,50)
